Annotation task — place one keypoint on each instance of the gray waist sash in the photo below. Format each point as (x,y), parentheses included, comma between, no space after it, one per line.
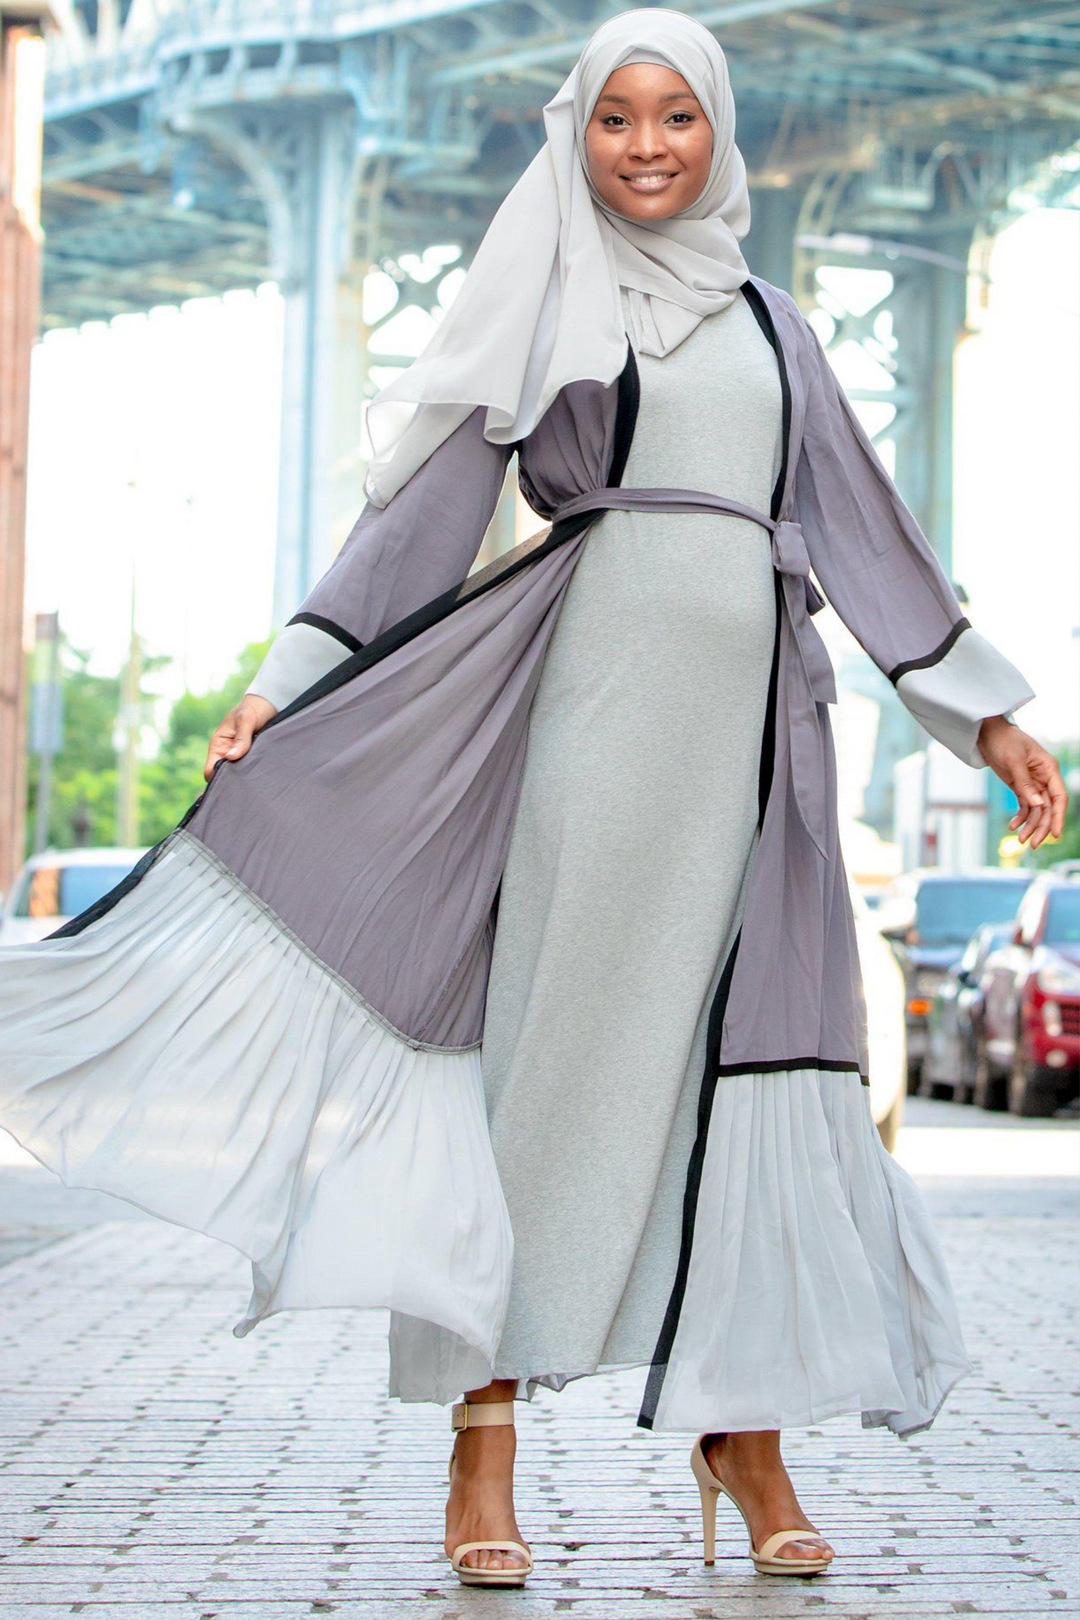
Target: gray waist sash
(808,678)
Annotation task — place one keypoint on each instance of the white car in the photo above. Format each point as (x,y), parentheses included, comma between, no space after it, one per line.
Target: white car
(883,983)
(57,885)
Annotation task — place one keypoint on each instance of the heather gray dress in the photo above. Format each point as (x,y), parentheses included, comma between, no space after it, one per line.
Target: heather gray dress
(622,889)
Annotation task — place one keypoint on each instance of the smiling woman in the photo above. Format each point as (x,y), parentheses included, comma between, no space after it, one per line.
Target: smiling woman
(508,980)
(648,143)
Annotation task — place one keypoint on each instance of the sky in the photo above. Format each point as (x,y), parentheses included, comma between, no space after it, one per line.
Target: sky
(154,447)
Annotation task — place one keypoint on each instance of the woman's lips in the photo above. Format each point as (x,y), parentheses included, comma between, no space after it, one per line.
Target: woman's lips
(658,180)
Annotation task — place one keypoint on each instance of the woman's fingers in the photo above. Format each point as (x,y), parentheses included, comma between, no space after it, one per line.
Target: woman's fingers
(220,743)
(1029,805)
(232,739)
(243,731)
(1041,799)
(1040,826)
(1058,796)
(1051,790)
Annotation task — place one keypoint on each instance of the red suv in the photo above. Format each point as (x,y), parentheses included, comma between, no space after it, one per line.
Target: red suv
(1029,1052)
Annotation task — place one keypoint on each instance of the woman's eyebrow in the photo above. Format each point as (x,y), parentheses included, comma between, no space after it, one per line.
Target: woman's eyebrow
(670,95)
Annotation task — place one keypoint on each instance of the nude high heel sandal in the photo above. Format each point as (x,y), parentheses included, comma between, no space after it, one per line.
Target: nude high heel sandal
(477,1415)
(764,1557)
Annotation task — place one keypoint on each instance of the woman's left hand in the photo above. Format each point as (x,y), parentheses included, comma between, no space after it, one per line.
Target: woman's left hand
(1033,774)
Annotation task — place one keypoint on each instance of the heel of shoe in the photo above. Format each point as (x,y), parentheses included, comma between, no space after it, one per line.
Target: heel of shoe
(708,1522)
(709,1491)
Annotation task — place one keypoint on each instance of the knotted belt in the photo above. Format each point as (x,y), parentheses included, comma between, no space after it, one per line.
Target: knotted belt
(809,679)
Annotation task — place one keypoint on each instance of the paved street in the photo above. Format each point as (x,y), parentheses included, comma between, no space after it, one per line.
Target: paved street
(153,1465)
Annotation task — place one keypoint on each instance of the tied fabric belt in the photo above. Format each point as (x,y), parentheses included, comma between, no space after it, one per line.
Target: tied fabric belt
(808,677)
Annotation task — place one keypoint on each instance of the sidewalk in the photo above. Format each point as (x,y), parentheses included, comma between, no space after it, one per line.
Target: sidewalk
(152,1465)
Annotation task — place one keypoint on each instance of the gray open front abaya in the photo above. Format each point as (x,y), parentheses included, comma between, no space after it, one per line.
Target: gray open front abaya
(273,1032)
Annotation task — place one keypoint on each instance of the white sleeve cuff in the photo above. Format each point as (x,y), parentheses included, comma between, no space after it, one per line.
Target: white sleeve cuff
(300,655)
(951,698)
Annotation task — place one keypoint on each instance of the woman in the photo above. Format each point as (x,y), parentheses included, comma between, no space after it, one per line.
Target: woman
(581,804)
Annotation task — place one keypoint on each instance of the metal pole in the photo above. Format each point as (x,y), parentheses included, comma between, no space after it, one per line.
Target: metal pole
(127,797)
(46,738)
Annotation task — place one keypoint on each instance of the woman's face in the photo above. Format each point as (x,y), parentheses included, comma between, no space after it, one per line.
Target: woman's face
(648,142)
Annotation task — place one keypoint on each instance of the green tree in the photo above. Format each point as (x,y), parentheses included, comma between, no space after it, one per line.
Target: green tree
(85,769)
(174,778)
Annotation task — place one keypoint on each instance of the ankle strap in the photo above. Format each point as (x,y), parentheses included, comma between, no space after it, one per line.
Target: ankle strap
(481,1414)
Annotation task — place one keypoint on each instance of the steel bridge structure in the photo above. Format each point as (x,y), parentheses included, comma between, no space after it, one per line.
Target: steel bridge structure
(193,146)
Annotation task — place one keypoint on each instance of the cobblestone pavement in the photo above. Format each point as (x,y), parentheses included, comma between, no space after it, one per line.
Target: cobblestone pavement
(151,1464)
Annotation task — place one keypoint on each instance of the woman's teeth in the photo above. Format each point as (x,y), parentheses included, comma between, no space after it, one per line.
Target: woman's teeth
(648,182)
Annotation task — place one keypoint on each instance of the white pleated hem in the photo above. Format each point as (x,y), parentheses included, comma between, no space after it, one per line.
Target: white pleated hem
(186,1054)
(816,1285)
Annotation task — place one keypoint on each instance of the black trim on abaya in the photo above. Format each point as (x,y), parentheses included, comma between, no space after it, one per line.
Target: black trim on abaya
(329,627)
(928,660)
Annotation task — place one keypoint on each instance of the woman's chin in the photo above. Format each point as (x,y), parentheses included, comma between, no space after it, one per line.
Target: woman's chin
(646,207)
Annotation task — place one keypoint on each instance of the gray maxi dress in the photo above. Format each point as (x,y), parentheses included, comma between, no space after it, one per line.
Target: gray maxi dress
(621,891)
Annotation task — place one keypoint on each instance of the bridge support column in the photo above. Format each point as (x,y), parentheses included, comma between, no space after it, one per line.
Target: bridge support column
(770,243)
(324,363)
(307,173)
(930,304)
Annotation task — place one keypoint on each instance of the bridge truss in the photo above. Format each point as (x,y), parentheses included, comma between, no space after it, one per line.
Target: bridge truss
(193,146)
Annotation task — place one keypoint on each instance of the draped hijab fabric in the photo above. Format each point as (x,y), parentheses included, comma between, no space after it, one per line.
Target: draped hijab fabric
(541,306)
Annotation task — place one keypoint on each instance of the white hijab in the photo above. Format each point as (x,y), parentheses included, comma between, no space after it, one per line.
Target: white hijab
(540,306)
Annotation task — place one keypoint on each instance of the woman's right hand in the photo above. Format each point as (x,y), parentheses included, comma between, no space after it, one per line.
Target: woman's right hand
(232,739)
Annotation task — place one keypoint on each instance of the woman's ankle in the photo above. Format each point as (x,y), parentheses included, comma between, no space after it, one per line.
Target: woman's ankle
(752,1454)
(500,1389)
(484,1454)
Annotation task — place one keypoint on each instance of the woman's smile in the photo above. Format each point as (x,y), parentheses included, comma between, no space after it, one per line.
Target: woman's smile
(650,179)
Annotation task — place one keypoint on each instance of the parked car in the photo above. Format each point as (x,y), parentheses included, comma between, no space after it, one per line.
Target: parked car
(1029,1056)
(929,916)
(954,1023)
(56,885)
(883,987)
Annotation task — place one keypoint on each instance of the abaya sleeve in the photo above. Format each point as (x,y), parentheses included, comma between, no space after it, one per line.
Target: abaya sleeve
(881,574)
(396,557)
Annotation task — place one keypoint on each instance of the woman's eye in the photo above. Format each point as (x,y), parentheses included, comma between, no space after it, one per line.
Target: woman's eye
(686,118)
(613,119)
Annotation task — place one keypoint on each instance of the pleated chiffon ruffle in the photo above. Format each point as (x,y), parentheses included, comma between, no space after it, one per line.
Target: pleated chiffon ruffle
(816,1284)
(187,1054)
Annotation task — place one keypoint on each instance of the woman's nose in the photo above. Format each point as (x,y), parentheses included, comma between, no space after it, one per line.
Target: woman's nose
(647,142)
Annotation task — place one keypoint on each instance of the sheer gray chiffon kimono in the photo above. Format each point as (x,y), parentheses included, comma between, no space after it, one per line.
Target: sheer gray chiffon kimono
(271,1031)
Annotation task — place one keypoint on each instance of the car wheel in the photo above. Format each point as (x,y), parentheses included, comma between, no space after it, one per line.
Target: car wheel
(940,1090)
(1035,1091)
(963,1089)
(990,1089)
(889,1127)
